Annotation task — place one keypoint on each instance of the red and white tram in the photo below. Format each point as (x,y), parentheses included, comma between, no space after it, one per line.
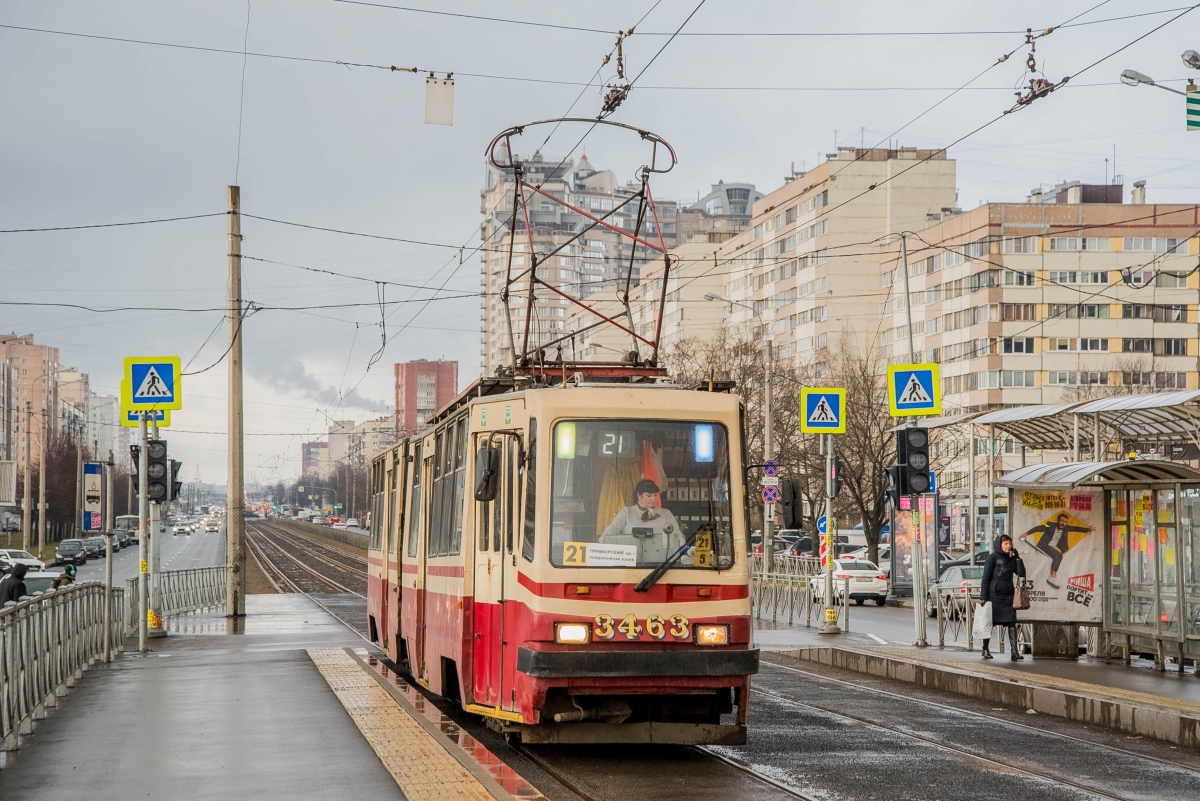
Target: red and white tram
(570,561)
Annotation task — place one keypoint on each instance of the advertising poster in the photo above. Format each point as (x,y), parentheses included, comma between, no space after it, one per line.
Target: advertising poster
(93,510)
(1060,538)
(902,542)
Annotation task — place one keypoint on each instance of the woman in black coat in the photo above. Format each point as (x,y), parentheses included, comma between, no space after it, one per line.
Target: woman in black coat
(997,587)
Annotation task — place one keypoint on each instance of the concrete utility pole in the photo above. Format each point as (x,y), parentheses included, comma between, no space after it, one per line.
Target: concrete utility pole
(27,513)
(41,537)
(235,520)
(143,535)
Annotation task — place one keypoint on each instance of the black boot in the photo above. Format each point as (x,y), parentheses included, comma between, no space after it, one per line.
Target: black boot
(986,653)
(1012,638)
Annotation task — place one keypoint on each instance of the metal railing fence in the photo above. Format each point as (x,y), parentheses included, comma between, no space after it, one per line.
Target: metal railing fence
(46,642)
(182,591)
(788,592)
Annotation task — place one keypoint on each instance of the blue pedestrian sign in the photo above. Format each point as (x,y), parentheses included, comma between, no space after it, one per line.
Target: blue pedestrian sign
(152,382)
(914,390)
(822,525)
(823,410)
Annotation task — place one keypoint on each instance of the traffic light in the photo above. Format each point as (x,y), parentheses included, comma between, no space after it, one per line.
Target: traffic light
(912,456)
(790,502)
(158,471)
(835,478)
(135,454)
(895,475)
(176,479)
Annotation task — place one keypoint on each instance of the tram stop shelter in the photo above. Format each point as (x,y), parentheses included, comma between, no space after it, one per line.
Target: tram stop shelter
(1114,546)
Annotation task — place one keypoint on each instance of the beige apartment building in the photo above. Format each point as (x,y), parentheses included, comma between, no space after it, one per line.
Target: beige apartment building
(1067,296)
(35,382)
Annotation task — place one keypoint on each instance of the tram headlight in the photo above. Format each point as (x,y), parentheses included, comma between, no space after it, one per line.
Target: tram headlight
(712,635)
(572,633)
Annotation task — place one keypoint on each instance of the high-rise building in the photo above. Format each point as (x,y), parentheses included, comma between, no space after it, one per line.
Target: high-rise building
(313,458)
(422,387)
(74,397)
(35,371)
(1067,296)
(724,212)
(104,426)
(369,438)
(600,260)
(339,440)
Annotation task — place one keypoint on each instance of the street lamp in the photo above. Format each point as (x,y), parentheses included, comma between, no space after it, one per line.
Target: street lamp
(768,539)
(1133,77)
(1191,59)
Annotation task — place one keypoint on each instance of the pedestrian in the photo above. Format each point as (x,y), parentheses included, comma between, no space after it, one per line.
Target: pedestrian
(65,578)
(1003,566)
(12,588)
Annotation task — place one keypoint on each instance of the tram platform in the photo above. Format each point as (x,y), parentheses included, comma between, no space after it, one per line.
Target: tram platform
(1137,699)
(281,704)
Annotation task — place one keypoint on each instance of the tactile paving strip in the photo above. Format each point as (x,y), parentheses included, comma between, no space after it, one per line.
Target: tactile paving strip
(421,766)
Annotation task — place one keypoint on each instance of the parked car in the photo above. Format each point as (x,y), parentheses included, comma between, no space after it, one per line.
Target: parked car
(956,581)
(70,552)
(15,556)
(867,581)
(94,547)
(801,547)
(39,581)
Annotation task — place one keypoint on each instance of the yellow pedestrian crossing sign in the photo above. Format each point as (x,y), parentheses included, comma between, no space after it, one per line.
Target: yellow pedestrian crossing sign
(152,382)
(130,417)
(914,390)
(823,410)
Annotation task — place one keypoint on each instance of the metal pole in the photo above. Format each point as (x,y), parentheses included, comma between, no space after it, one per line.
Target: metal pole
(79,527)
(1075,435)
(768,537)
(154,618)
(918,546)
(108,558)
(1096,437)
(143,534)
(27,514)
(912,351)
(235,522)
(971,545)
(829,624)
(991,490)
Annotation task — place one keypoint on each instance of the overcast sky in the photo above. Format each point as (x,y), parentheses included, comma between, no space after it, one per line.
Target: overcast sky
(96,131)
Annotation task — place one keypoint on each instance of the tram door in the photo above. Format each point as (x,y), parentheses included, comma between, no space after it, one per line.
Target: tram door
(492,571)
(418,662)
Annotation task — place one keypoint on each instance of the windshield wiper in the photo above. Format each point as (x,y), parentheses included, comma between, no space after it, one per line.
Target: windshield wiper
(660,571)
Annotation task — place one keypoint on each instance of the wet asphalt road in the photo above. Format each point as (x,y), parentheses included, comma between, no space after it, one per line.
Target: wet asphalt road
(178,553)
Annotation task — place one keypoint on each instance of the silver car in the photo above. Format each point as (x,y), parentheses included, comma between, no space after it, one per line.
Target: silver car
(955,582)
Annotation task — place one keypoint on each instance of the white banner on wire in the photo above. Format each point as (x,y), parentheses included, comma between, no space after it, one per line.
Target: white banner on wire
(1060,536)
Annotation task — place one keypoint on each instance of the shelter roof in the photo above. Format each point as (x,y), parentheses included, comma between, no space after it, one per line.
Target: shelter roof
(1064,475)
(1042,427)
(1155,417)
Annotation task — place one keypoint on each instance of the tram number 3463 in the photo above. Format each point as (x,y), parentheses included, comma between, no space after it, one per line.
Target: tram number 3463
(656,627)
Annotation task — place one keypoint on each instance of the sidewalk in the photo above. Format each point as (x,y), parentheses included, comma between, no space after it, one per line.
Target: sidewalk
(1137,700)
(225,710)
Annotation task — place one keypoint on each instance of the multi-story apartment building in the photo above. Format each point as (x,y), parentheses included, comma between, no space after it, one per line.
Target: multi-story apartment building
(74,394)
(339,441)
(598,261)
(314,458)
(724,212)
(1056,299)
(104,426)
(422,387)
(369,438)
(35,371)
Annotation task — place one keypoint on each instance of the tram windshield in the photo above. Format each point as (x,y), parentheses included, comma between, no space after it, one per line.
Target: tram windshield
(629,493)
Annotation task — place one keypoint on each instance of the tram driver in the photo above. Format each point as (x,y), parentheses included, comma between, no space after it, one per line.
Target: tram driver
(652,528)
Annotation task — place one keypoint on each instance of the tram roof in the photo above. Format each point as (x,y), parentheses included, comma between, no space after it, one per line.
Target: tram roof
(1064,475)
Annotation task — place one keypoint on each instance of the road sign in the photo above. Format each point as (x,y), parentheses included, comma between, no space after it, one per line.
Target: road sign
(770,495)
(914,390)
(770,468)
(823,410)
(93,482)
(770,481)
(129,418)
(152,382)
(932,481)
(822,524)
(1193,108)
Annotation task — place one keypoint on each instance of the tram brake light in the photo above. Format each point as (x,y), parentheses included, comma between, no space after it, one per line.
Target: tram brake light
(711,634)
(572,633)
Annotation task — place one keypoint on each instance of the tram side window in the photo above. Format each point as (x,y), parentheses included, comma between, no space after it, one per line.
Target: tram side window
(376,518)
(395,502)
(445,530)
(483,509)
(414,518)
(512,487)
(454,545)
(527,549)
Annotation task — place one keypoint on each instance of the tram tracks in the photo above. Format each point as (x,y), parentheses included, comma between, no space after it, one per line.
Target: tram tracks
(276,554)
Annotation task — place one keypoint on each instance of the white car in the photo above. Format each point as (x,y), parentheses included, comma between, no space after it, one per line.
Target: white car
(15,556)
(212,527)
(866,581)
(352,522)
(183,528)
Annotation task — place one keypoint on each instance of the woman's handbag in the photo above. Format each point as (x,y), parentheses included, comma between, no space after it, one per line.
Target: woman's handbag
(1020,593)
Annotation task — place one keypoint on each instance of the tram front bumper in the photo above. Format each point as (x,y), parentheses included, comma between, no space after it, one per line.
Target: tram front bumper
(631,662)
